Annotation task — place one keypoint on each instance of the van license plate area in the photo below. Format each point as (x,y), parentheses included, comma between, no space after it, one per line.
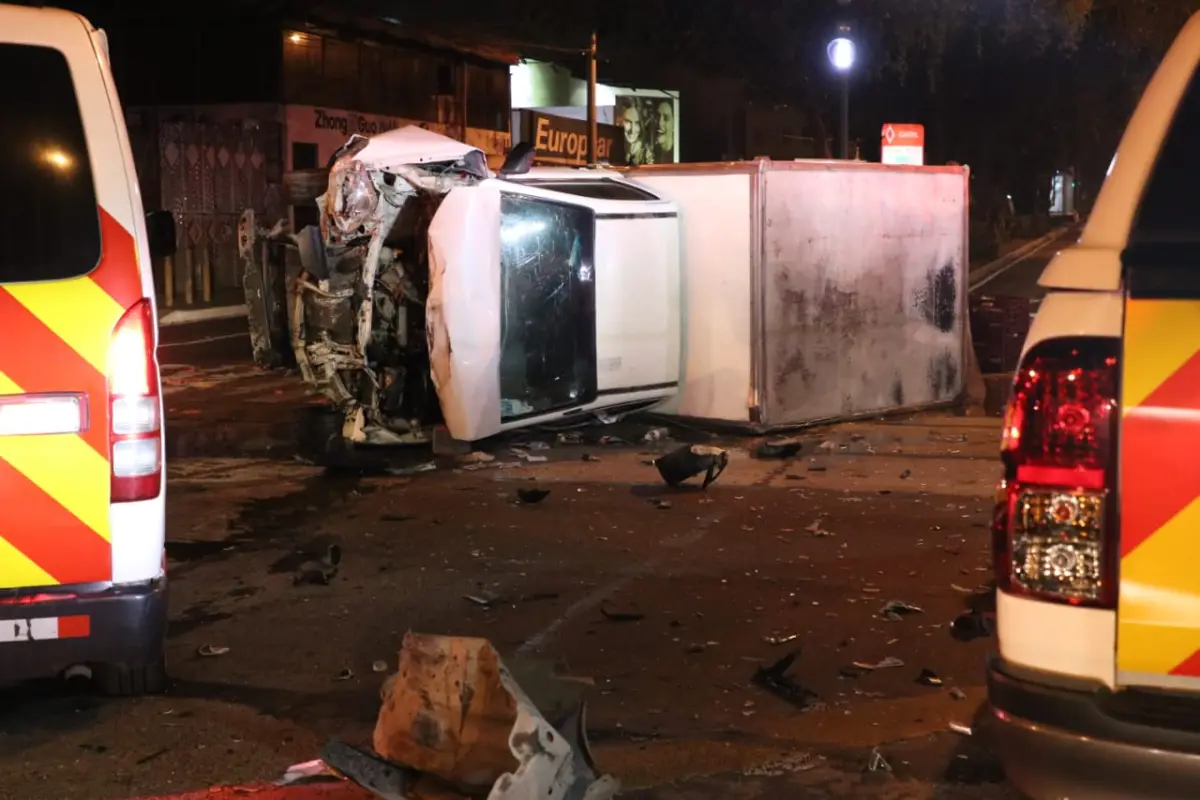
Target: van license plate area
(42,414)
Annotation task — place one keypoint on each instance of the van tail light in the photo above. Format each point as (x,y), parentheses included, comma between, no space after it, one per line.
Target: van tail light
(135,422)
(1055,525)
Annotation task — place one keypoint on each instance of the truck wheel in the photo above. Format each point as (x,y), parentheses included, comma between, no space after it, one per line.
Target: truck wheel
(119,680)
(323,444)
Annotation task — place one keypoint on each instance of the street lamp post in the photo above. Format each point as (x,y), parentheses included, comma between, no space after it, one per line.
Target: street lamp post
(841,55)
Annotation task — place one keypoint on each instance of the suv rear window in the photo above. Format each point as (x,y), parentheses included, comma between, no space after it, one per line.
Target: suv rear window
(1170,209)
(49,222)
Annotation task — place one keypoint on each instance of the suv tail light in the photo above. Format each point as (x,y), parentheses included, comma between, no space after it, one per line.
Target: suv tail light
(135,424)
(1055,527)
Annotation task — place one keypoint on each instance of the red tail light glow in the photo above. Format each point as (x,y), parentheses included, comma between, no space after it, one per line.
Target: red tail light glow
(135,424)
(1054,528)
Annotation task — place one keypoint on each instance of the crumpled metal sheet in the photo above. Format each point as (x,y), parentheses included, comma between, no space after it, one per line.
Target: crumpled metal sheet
(453,710)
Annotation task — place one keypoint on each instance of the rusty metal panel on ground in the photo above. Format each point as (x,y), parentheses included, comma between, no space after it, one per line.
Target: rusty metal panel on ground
(862,281)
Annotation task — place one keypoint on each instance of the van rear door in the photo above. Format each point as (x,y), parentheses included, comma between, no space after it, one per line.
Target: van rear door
(68,273)
(1158,610)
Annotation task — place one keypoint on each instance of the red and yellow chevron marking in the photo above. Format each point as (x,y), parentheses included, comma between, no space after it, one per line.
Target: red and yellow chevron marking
(1158,613)
(54,490)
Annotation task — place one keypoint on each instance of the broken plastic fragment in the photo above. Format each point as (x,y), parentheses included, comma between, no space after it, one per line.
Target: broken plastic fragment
(779,448)
(306,772)
(622,616)
(890,662)
(929,678)
(689,461)
(344,675)
(379,666)
(532,496)
(958,727)
(211,651)
(776,681)
(778,640)
(958,694)
(895,609)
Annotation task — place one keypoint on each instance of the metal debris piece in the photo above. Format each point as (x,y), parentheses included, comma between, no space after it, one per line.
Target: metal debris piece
(656,435)
(405,471)
(958,727)
(890,662)
(929,678)
(779,448)
(526,456)
(211,651)
(775,641)
(895,610)
(775,680)
(622,616)
(816,530)
(377,775)
(531,497)
(483,601)
(692,460)
(877,763)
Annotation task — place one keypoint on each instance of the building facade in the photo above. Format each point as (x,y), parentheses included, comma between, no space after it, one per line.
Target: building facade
(214,132)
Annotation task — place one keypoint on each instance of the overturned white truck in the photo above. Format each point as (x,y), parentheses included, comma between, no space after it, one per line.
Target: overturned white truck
(436,292)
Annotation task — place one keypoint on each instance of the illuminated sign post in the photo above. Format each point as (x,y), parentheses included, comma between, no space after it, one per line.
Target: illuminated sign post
(904,144)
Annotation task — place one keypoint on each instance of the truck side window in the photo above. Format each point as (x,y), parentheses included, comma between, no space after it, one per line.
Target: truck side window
(1170,209)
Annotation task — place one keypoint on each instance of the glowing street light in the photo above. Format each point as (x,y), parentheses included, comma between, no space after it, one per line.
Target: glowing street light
(842,52)
(58,160)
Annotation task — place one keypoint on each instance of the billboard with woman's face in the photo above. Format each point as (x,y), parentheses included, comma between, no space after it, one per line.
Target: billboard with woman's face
(649,127)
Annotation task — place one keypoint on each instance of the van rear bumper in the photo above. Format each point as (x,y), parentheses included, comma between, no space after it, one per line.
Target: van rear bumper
(42,636)
(1061,742)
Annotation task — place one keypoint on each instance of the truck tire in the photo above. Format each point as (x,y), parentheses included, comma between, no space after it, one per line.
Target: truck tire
(322,443)
(119,680)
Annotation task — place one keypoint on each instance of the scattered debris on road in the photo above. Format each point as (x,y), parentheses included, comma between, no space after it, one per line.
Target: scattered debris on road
(890,662)
(958,727)
(308,771)
(817,530)
(877,763)
(211,651)
(691,460)
(320,572)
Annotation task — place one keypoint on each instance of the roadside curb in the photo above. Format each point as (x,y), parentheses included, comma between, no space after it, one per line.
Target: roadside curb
(186,316)
(983,273)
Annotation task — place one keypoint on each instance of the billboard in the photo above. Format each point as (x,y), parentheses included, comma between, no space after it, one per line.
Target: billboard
(650,127)
(563,140)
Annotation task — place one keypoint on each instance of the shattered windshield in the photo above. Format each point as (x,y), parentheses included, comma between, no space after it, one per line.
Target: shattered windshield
(548,306)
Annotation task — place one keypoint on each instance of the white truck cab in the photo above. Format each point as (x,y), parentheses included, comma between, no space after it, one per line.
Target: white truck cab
(1095,689)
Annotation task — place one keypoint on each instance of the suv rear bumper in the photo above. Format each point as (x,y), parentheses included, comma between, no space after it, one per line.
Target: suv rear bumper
(1060,742)
(123,625)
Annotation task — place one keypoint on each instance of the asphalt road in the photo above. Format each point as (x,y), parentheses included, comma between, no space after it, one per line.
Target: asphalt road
(812,547)
(1021,278)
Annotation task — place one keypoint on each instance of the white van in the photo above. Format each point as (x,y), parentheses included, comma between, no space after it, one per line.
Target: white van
(1095,691)
(82,566)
